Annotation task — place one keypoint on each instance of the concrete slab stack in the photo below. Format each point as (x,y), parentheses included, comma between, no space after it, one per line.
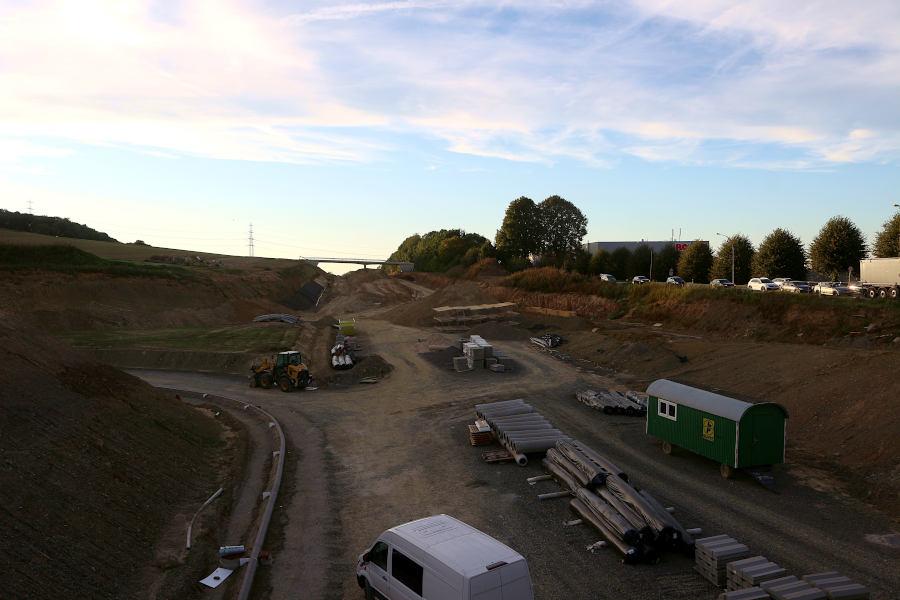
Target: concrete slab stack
(753,593)
(750,572)
(713,555)
(837,586)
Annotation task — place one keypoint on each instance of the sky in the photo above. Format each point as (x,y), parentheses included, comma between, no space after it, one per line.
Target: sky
(340,128)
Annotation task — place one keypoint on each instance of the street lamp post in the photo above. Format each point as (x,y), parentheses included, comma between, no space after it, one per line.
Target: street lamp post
(732,255)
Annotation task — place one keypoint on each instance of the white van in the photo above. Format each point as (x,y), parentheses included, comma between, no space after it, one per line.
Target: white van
(442,558)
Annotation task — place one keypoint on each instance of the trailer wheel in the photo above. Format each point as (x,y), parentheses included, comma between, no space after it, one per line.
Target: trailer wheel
(726,471)
(667,447)
(894,293)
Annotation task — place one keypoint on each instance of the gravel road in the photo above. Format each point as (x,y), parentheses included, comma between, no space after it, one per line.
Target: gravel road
(364,458)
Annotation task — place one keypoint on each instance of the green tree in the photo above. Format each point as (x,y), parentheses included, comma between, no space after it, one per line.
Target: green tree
(582,262)
(743,260)
(600,262)
(664,261)
(439,251)
(563,227)
(695,262)
(519,235)
(839,246)
(618,262)
(887,243)
(780,254)
(639,263)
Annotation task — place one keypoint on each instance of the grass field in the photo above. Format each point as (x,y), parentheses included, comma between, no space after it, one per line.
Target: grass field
(238,338)
(138,253)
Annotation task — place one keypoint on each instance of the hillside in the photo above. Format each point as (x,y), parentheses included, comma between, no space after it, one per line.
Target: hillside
(94,465)
(54,226)
(65,287)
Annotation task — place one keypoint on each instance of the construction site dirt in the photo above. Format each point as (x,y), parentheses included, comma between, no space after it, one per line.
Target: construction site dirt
(362,458)
(369,457)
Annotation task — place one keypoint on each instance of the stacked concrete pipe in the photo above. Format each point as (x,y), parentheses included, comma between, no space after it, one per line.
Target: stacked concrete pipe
(520,428)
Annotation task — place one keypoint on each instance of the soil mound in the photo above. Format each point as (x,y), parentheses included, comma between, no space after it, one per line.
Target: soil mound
(93,465)
(420,313)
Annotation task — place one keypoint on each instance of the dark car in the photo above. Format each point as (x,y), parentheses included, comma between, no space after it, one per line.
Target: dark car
(676,280)
(721,283)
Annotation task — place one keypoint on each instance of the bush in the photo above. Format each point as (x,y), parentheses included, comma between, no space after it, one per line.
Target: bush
(50,226)
(68,259)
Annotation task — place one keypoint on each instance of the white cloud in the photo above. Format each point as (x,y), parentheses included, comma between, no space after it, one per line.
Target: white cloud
(515,80)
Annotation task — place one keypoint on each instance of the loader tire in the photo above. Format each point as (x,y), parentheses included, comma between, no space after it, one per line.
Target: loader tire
(266,380)
(284,383)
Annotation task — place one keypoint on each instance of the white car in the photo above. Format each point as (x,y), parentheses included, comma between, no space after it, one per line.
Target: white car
(832,288)
(780,281)
(442,558)
(640,280)
(607,277)
(762,284)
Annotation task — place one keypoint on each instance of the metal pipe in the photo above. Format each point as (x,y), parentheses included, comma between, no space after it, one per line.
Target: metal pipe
(215,495)
(552,495)
(632,554)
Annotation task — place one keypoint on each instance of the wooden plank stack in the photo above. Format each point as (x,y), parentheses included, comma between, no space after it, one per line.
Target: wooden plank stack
(480,433)
(713,555)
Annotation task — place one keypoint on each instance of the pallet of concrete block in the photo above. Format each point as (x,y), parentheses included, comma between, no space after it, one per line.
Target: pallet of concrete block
(611,403)
(753,593)
(837,586)
(792,588)
(712,555)
(750,572)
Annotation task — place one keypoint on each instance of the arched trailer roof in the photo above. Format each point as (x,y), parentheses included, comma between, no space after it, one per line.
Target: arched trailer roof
(716,404)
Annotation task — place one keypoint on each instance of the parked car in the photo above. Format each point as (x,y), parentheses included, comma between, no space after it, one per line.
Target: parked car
(721,283)
(796,287)
(832,288)
(676,280)
(780,281)
(607,277)
(442,558)
(858,288)
(640,280)
(762,284)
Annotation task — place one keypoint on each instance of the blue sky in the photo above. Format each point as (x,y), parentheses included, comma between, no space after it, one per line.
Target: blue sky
(341,128)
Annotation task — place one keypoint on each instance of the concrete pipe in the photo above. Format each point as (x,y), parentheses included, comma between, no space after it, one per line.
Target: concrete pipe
(518,436)
(525,417)
(520,458)
(506,410)
(534,445)
(525,427)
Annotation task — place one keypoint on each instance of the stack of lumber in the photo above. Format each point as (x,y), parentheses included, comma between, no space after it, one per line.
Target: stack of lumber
(520,428)
(480,433)
(611,402)
(750,572)
(713,555)
(631,520)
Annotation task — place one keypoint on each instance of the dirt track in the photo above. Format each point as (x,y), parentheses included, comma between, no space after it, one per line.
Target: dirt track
(368,457)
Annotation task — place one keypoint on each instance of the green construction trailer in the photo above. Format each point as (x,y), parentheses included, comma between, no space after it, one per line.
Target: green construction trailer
(734,433)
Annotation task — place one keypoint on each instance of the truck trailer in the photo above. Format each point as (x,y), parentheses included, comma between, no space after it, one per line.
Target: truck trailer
(880,277)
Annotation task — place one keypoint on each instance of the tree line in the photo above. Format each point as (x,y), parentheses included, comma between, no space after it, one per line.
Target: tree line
(50,226)
(550,233)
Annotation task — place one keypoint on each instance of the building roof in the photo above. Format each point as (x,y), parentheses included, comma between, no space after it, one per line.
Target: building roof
(716,404)
(457,545)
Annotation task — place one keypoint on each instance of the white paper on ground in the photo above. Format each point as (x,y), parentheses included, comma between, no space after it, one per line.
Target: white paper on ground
(216,577)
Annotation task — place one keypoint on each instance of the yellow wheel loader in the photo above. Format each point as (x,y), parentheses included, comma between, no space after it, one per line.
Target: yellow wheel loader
(286,369)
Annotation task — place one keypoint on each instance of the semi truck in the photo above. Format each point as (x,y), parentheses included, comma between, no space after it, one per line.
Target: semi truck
(880,277)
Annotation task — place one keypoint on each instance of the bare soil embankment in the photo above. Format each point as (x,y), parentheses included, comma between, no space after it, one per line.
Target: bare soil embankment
(98,475)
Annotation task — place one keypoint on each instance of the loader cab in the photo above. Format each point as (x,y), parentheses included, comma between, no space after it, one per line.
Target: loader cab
(287,358)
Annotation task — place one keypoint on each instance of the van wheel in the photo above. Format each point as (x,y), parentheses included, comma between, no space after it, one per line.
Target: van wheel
(370,595)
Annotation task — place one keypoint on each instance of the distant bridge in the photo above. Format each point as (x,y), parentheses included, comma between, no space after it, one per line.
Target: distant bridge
(365,262)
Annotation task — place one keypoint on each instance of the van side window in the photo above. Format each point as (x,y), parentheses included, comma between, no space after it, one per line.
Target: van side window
(407,572)
(379,554)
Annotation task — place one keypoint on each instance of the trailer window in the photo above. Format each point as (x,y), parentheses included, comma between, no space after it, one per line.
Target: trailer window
(407,572)
(668,410)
